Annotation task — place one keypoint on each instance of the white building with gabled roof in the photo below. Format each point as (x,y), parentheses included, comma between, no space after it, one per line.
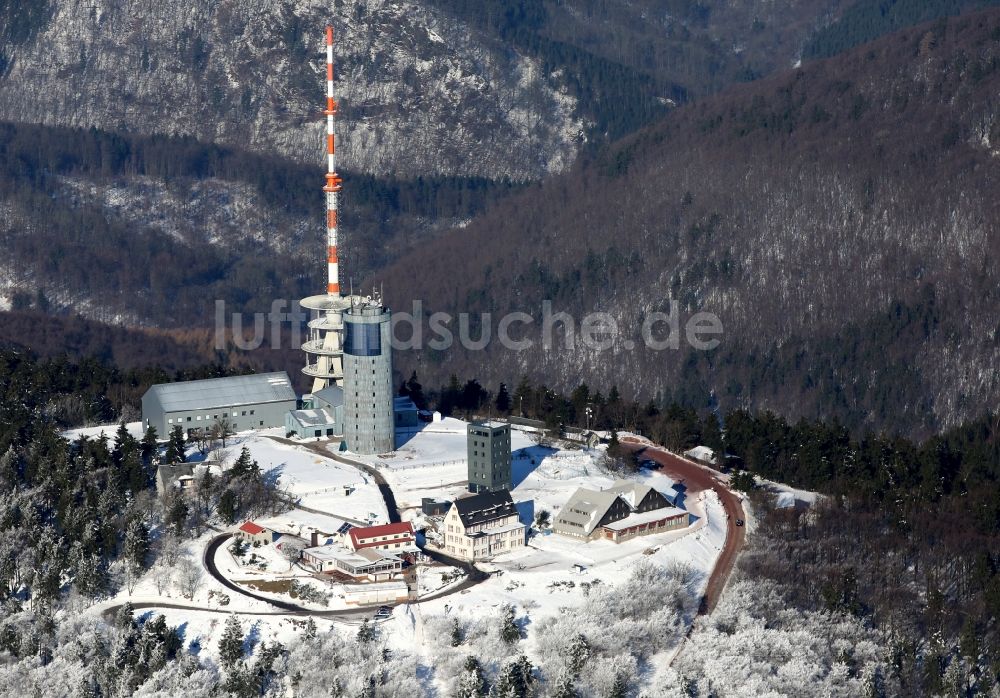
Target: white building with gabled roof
(623,511)
(482,526)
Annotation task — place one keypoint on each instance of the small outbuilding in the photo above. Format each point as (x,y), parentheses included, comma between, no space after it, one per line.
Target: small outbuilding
(434,507)
(405,412)
(702,454)
(311,423)
(175,475)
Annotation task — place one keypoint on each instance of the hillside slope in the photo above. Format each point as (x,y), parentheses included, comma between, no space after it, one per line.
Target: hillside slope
(152,230)
(501,89)
(843,221)
(422,93)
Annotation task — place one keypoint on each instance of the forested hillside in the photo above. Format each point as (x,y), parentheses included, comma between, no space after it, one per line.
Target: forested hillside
(174,224)
(500,89)
(825,213)
(865,20)
(421,93)
(841,219)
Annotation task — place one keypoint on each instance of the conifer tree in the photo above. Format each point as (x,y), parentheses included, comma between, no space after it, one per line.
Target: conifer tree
(564,688)
(579,653)
(366,632)
(175,447)
(509,632)
(620,687)
(231,643)
(148,447)
(136,547)
(227,507)
(244,465)
(471,684)
(176,513)
(502,402)
(514,680)
(416,392)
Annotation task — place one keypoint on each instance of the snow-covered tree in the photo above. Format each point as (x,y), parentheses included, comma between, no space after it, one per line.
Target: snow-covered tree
(231,642)
(367,632)
(135,550)
(471,684)
(188,576)
(515,680)
(509,631)
(291,550)
(564,688)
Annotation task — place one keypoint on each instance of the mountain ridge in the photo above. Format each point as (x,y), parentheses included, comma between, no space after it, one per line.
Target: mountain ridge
(791,207)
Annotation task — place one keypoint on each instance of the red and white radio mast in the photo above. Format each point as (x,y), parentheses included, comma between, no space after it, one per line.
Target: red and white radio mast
(332,187)
(324,348)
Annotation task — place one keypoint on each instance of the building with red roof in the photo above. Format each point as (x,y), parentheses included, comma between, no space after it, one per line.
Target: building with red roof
(394,537)
(253,534)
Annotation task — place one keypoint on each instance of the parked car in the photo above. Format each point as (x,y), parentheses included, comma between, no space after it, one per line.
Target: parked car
(383,612)
(739,522)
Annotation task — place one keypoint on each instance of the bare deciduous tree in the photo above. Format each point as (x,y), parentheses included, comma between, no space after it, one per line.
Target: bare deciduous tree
(188,576)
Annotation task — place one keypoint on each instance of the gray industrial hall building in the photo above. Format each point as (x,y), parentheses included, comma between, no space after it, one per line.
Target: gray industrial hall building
(369,427)
(489,456)
(256,401)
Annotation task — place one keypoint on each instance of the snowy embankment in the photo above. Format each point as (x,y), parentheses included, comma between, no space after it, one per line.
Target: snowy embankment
(323,484)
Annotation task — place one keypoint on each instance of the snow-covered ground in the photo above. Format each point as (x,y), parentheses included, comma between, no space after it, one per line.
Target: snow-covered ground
(163,584)
(108,430)
(786,497)
(323,484)
(266,572)
(542,581)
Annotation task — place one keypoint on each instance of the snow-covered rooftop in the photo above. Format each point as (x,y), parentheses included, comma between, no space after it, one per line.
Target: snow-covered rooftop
(223,392)
(638,519)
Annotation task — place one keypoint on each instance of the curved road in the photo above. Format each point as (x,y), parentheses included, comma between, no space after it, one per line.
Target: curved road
(320,449)
(697,478)
(473,574)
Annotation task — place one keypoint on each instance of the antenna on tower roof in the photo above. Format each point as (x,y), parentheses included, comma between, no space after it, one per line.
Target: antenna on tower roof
(332,187)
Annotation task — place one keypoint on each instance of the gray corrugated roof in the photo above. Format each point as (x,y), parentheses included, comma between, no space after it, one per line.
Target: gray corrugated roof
(331,395)
(212,393)
(313,418)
